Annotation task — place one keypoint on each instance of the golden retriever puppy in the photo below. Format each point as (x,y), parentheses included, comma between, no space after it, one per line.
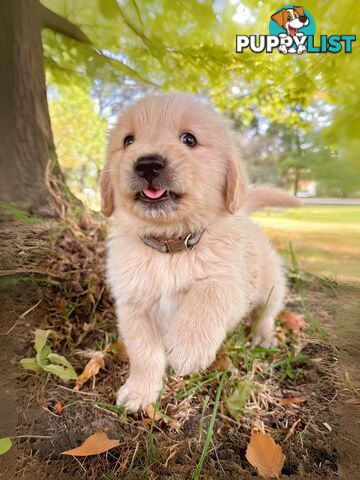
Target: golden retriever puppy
(185,262)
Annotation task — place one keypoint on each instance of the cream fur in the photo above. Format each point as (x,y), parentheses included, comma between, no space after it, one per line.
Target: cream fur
(176,309)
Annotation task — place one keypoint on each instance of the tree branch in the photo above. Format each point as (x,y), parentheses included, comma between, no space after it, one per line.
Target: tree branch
(61,25)
(132,25)
(120,66)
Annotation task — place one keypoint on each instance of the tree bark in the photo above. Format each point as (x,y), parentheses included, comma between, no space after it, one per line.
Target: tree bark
(27,151)
(296,181)
(297,168)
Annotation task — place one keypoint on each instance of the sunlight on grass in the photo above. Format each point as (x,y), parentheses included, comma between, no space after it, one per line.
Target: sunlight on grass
(325,238)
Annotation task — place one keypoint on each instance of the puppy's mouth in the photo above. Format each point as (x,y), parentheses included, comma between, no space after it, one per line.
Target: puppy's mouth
(156,195)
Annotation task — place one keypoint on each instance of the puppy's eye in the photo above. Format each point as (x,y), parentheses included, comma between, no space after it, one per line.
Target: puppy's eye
(128,140)
(289,17)
(188,139)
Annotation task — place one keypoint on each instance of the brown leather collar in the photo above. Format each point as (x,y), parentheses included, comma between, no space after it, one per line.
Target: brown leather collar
(173,245)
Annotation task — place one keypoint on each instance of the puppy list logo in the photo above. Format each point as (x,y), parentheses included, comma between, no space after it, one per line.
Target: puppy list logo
(292,30)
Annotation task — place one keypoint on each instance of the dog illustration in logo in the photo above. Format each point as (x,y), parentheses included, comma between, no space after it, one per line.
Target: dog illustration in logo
(291,20)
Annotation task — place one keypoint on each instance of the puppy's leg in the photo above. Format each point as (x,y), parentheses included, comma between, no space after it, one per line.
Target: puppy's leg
(200,325)
(271,305)
(147,359)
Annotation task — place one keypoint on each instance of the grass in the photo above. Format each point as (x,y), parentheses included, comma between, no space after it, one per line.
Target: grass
(325,238)
(20,215)
(201,423)
(196,382)
(211,428)
(151,450)
(320,215)
(350,385)
(29,280)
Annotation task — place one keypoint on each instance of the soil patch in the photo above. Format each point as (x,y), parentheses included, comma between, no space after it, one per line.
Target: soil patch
(24,250)
(347,328)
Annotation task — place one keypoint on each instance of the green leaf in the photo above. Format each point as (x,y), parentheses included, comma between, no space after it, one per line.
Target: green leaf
(60,367)
(237,401)
(30,364)
(60,360)
(42,357)
(5,445)
(40,340)
(62,372)
(42,350)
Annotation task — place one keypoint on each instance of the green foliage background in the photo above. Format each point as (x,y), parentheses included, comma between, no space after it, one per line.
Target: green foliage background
(298,116)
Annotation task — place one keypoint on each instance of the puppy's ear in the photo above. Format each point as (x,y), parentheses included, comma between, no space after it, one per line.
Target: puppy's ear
(235,184)
(299,11)
(107,192)
(280,17)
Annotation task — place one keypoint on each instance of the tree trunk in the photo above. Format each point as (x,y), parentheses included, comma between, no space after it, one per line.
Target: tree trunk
(297,169)
(27,151)
(296,180)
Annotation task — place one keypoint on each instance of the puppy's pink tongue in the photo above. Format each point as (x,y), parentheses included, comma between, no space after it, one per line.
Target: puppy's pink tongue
(153,193)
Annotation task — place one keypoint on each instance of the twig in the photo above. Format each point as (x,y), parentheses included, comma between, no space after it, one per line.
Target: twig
(81,465)
(350,441)
(215,449)
(93,320)
(6,273)
(22,316)
(109,412)
(292,429)
(133,457)
(77,391)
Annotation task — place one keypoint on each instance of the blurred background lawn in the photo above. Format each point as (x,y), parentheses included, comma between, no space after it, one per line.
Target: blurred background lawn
(325,239)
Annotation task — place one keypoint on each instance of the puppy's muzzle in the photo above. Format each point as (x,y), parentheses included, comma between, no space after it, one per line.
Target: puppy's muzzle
(303,19)
(149,166)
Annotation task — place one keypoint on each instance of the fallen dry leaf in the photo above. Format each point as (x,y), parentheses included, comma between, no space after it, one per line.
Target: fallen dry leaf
(222,363)
(59,407)
(151,413)
(265,455)
(97,443)
(91,369)
(120,351)
(293,321)
(289,400)
(146,421)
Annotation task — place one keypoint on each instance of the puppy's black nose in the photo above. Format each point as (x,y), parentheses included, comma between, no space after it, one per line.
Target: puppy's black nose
(150,166)
(303,19)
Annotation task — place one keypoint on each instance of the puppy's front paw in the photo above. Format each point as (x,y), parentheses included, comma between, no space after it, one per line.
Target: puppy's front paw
(264,338)
(190,355)
(135,395)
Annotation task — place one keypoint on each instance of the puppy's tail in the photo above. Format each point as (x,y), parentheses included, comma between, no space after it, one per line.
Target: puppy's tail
(260,197)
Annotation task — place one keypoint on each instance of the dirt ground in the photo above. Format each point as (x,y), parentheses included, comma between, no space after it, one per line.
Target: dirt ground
(53,279)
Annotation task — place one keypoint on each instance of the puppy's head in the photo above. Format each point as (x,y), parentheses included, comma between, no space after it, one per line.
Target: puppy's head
(172,161)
